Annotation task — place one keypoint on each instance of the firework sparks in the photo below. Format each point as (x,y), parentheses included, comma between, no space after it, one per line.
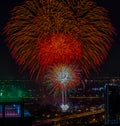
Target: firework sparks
(41,33)
(59,49)
(62,77)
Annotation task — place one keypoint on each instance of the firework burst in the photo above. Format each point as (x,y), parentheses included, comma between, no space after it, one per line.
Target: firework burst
(62,77)
(59,49)
(41,33)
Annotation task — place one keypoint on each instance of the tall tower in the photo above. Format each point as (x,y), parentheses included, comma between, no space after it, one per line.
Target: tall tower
(112,104)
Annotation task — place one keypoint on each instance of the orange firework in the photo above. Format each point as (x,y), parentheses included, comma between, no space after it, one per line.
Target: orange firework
(41,33)
(59,49)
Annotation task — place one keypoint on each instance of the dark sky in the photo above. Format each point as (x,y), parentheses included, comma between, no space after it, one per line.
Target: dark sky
(111,66)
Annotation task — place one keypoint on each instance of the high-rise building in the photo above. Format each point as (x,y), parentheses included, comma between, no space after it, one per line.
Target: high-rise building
(112,103)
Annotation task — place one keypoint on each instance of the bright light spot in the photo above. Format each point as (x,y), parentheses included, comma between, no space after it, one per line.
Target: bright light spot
(64,107)
(64,76)
(1,94)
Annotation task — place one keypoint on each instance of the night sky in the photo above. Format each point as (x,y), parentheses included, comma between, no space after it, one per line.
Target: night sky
(110,67)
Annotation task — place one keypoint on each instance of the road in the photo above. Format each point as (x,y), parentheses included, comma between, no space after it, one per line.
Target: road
(67,117)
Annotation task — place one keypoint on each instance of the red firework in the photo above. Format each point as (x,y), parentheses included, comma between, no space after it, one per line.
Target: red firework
(42,33)
(59,48)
